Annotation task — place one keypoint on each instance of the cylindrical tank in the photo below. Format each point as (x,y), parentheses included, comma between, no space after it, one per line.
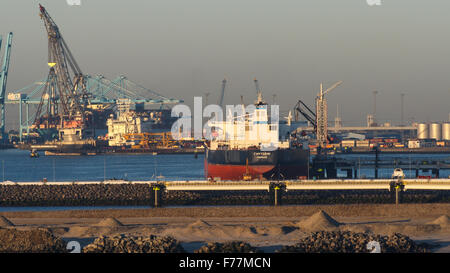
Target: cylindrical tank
(422,131)
(436,131)
(446,131)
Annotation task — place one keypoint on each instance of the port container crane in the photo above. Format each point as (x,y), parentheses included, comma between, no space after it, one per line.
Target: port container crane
(3,80)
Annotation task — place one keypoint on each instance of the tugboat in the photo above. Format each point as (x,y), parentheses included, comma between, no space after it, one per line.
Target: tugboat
(247,158)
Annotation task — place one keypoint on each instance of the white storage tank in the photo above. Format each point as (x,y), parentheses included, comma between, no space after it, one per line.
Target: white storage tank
(446,131)
(422,131)
(436,131)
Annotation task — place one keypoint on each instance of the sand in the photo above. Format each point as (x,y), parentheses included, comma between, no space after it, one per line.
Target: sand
(109,222)
(443,221)
(267,228)
(355,210)
(4,222)
(319,221)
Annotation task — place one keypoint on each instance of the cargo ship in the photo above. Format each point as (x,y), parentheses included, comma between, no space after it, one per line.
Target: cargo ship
(258,154)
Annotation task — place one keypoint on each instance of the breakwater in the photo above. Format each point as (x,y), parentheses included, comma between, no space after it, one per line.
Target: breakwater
(142,195)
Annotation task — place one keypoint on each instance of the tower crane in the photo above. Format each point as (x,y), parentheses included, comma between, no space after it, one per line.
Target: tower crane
(3,80)
(322,114)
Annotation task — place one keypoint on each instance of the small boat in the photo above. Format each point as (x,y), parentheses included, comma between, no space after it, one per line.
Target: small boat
(34,154)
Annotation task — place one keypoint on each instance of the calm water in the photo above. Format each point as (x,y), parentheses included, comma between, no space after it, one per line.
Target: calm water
(19,167)
(16,165)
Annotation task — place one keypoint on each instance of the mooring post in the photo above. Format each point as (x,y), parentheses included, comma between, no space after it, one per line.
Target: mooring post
(156,193)
(156,189)
(276,195)
(277,189)
(397,187)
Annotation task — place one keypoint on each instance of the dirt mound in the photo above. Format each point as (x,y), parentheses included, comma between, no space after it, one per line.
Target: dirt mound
(443,221)
(4,222)
(319,221)
(199,224)
(109,222)
(30,241)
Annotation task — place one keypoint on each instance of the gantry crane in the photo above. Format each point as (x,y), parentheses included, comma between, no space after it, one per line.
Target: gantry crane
(3,80)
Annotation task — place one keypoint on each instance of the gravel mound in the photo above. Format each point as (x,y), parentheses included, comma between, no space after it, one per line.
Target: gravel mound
(228,247)
(133,244)
(319,221)
(30,241)
(350,242)
(4,222)
(109,222)
(443,221)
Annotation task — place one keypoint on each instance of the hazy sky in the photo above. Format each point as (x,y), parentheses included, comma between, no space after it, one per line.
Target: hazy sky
(183,48)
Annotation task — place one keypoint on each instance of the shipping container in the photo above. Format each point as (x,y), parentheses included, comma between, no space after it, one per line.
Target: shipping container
(348,143)
(362,143)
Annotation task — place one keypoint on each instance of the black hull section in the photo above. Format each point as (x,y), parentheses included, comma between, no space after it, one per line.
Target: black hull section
(273,165)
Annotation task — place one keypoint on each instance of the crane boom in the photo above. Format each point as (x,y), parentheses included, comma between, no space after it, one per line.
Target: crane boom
(222,93)
(3,81)
(331,88)
(258,90)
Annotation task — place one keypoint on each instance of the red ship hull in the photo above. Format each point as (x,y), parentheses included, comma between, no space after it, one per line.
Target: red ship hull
(256,164)
(235,172)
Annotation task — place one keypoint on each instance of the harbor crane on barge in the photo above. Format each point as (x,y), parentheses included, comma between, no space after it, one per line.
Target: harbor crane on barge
(65,95)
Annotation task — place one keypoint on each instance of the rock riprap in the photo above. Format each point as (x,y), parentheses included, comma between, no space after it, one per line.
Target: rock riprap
(228,247)
(30,241)
(134,244)
(351,242)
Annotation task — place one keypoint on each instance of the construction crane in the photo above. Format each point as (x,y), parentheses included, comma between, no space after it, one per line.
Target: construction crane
(258,90)
(222,93)
(70,82)
(322,115)
(3,80)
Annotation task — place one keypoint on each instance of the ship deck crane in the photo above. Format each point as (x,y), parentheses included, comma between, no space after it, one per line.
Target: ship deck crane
(3,81)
